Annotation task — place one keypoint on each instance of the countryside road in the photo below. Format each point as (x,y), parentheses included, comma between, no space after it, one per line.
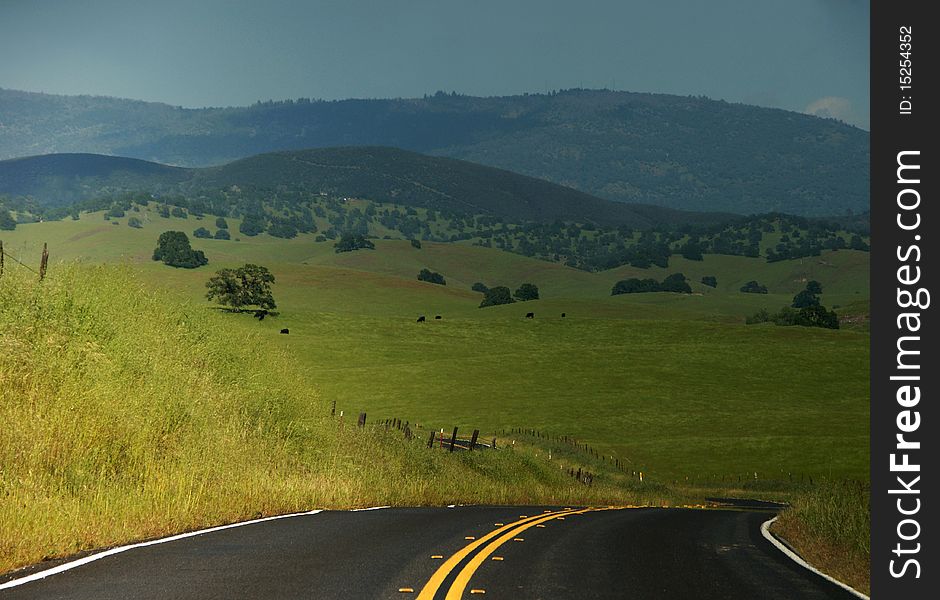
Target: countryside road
(463,552)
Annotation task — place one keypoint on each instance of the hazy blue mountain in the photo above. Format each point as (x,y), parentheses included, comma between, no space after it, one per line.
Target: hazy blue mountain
(682,152)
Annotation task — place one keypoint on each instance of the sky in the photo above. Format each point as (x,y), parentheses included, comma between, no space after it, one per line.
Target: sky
(804,55)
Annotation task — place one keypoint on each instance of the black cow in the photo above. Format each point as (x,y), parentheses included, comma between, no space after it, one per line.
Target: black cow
(530,315)
(438,317)
(562,315)
(285,330)
(421,319)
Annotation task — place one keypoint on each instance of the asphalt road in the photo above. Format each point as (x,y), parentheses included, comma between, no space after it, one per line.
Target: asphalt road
(464,552)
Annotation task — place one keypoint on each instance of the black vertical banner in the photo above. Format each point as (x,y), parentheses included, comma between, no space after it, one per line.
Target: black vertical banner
(905,372)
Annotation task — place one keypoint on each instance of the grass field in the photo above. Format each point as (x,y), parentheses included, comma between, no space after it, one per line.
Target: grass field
(675,384)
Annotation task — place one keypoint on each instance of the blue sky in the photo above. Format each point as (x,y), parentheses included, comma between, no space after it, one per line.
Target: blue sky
(803,55)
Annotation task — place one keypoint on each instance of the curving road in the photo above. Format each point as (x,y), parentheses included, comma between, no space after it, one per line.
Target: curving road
(448,553)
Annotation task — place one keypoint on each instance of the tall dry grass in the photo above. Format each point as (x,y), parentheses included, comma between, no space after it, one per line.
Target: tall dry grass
(129,414)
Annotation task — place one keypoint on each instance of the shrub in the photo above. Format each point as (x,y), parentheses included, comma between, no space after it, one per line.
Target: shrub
(221,223)
(202,232)
(134,222)
(479,287)
(222,234)
(416,244)
(710,281)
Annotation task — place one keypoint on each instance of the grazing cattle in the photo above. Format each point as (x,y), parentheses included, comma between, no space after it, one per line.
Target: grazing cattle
(261,314)
(530,315)
(421,319)
(285,331)
(438,317)
(562,315)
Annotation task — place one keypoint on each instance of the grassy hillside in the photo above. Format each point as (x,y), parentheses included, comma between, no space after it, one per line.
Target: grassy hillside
(677,384)
(687,153)
(130,413)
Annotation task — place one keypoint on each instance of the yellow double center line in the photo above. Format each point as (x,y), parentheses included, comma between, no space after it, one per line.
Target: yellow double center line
(501,535)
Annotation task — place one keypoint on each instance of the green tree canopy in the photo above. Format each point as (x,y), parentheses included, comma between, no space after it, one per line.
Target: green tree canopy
(202,232)
(349,242)
(710,281)
(496,295)
(246,286)
(174,250)
(526,292)
(431,277)
(6,220)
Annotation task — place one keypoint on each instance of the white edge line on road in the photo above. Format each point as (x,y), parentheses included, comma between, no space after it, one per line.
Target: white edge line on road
(765,529)
(370,508)
(93,557)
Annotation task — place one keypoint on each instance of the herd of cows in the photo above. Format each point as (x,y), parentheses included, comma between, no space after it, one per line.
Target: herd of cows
(423,319)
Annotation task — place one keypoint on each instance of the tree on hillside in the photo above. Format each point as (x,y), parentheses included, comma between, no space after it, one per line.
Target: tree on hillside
(7,221)
(174,250)
(416,243)
(246,286)
(808,297)
(179,213)
(710,281)
(479,287)
(752,287)
(526,292)
(431,277)
(134,222)
(349,242)
(814,287)
(222,234)
(496,295)
(676,283)
(202,232)
(221,223)
(252,225)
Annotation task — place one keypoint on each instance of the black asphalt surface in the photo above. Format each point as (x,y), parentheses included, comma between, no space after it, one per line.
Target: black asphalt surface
(636,554)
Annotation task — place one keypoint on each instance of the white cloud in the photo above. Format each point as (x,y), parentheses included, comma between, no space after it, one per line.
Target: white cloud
(832,107)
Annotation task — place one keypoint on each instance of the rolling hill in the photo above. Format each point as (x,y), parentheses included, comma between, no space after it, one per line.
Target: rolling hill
(377,173)
(681,152)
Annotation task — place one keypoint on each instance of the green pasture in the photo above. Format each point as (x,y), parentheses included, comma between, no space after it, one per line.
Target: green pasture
(676,385)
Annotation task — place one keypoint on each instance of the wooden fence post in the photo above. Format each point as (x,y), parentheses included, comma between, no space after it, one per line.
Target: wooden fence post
(494,444)
(333,409)
(362,420)
(431,439)
(43,262)
(453,440)
(473,438)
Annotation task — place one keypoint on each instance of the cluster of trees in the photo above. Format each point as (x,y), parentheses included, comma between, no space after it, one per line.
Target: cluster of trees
(673,283)
(242,288)
(493,296)
(806,310)
(431,277)
(220,234)
(351,241)
(752,287)
(173,248)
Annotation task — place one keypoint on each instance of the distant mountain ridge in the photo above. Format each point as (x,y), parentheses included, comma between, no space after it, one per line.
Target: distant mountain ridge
(682,152)
(376,173)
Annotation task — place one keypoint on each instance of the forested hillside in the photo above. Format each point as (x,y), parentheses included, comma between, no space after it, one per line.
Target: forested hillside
(682,152)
